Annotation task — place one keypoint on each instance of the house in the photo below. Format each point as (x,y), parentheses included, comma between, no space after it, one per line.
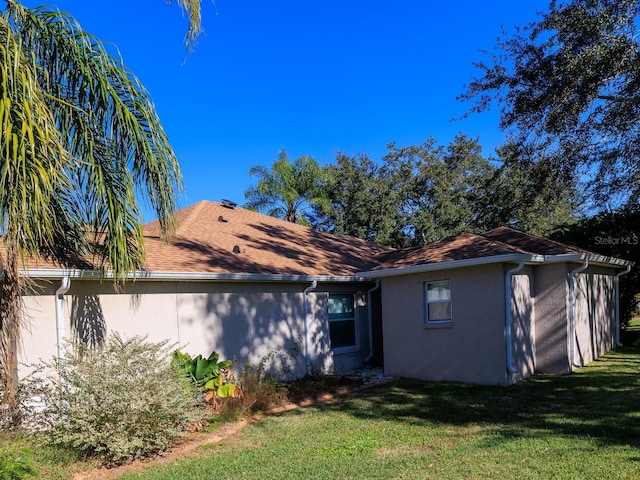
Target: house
(489,309)
(496,308)
(244,284)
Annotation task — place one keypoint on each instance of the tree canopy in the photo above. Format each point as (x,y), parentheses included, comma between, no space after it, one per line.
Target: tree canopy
(536,196)
(422,193)
(360,200)
(436,187)
(568,84)
(613,233)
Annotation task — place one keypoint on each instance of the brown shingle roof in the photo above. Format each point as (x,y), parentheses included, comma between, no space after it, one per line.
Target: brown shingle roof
(211,238)
(462,246)
(531,243)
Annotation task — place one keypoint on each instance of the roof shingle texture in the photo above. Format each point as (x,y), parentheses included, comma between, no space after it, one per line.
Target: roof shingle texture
(464,246)
(211,238)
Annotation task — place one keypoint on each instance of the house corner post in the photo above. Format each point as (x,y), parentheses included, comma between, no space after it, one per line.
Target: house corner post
(572,312)
(508,317)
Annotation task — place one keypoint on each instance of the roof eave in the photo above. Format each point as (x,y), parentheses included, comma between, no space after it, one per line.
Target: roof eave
(468,262)
(593,258)
(506,258)
(190,276)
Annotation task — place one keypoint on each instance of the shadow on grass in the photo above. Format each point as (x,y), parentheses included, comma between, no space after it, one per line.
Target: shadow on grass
(600,401)
(630,334)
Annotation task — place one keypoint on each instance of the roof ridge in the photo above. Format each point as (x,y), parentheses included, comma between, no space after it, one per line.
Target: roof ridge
(445,240)
(500,243)
(540,237)
(190,212)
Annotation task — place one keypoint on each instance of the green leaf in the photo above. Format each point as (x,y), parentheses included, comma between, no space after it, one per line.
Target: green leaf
(214,383)
(224,364)
(226,390)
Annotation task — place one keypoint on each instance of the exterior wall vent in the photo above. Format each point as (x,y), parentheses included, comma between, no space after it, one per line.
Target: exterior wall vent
(223,219)
(228,204)
(239,249)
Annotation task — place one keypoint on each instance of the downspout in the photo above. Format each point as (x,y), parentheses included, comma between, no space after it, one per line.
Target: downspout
(307,327)
(368,358)
(507,317)
(616,282)
(572,311)
(60,322)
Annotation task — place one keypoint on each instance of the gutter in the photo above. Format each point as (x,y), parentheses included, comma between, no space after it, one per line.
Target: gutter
(616,282)
(60,322)
(54,273)
(508,321)
(467,262)
(307,327)
(572,311)
(593,258)
(503,258)
(368,358)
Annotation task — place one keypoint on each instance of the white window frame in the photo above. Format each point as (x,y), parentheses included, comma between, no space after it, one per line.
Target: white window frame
(354,319)
(427,302)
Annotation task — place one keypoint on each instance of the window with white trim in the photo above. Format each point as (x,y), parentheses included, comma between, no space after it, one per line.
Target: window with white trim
(342,320)
(437,301)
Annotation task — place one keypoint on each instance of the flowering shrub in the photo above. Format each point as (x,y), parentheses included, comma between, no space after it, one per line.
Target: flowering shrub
(120,402)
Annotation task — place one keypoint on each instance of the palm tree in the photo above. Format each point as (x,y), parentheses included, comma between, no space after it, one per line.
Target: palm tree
(193,9)
(287,189)
(80,145)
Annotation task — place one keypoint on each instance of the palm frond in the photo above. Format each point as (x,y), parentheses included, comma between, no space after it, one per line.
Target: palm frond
(111,130)
(32,156)
(287,189)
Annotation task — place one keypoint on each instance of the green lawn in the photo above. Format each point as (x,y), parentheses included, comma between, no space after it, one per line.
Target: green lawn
(630,335)
(584,425)
(634,325)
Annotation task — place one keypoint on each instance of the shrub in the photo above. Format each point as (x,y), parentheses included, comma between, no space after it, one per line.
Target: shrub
(120,402)
(279,363)
(260,384)
(258,395)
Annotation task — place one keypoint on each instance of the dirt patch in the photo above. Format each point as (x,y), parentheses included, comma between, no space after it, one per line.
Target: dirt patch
(313,388)
(301,393)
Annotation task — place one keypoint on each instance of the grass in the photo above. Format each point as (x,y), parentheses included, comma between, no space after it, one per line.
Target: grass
(634,325)
(49,462)
(630,334)
(584,425)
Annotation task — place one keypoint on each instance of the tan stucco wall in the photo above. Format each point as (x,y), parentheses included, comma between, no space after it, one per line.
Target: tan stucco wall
(471,350)
(551,318)
(594,310)
(38,331)
(241,321)
(595,314)
(523,326)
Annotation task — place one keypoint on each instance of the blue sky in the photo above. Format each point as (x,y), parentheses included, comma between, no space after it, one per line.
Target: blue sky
(310,77)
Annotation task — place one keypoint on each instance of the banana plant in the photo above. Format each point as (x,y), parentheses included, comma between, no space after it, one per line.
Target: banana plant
(208,374)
